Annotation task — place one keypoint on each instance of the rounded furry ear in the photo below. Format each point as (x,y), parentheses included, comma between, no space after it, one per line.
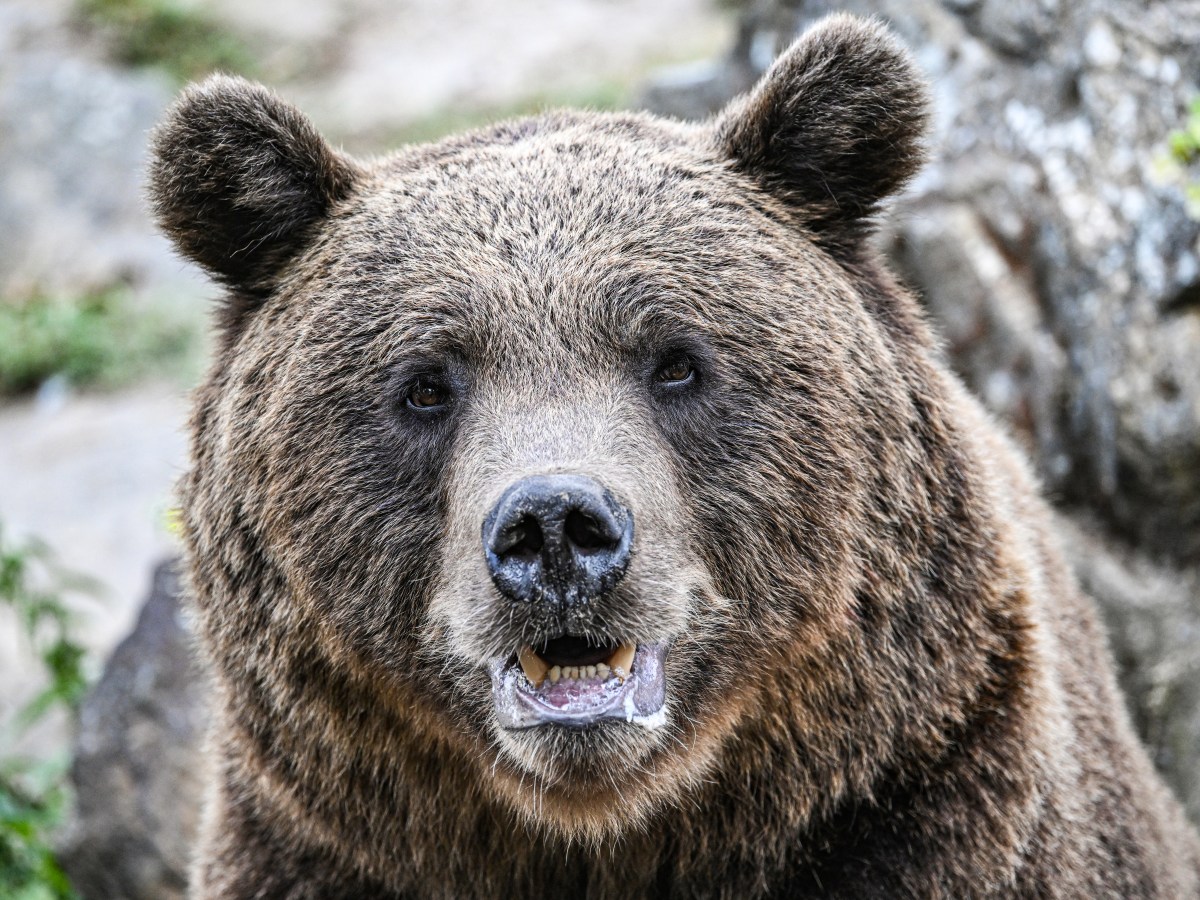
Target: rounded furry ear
(834,127)
(239,179)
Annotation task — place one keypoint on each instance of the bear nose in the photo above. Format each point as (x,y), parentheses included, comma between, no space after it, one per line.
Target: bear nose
(557,540)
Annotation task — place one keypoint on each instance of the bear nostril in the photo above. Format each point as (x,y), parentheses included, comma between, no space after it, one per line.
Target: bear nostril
(523,541)
(587,533)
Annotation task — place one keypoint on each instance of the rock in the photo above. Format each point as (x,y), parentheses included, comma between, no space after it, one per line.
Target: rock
(1066,280)
(72,142)
(137,766)
(1155,636)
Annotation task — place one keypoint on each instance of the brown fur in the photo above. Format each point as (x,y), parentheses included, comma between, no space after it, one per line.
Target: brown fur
(883,681)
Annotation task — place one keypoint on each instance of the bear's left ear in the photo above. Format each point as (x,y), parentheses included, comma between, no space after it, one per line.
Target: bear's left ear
(834,127)
(240,181)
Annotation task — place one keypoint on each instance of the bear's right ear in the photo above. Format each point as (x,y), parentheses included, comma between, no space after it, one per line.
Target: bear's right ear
(834,127)
(239,180)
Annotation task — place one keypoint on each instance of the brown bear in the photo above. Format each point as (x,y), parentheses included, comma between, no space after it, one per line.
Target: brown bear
(578,508)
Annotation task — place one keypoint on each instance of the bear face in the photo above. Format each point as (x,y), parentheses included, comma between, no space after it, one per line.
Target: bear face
(662,309)
(579,391)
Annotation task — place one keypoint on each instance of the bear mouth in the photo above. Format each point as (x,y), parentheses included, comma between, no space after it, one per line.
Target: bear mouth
(575,682)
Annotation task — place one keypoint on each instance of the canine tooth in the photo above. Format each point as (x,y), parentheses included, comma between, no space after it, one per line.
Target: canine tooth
(534,666)
(602,670)
(623,659)
(555,674)
(619,672)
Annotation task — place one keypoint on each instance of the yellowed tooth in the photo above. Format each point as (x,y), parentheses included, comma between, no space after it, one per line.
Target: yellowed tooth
(555,674)
(534,666)
(621,662)
(602,670)
(591,671)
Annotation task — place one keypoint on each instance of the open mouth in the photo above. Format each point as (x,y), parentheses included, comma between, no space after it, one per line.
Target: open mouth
(575,682)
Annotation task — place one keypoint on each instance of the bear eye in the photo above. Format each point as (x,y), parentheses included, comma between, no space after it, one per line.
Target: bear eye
(427,394)
(676,370)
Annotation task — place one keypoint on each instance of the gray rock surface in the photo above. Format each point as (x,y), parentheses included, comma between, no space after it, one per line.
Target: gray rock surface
(72,142)
(1065,278)
(137,768)
(1151,612)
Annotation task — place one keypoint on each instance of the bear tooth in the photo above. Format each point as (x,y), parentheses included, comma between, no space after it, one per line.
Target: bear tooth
(534,666)
(623,659)
(602,670)
(591,671)
(555,674)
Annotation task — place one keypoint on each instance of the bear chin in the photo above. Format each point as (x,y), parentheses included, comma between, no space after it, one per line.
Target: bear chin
(594,783)
(581,734)
(567,778)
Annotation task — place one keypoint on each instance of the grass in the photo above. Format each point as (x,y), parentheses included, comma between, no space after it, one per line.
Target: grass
(33,793)
(101,339)
(184,42)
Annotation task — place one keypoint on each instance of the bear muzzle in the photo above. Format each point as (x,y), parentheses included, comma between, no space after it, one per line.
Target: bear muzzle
(558,543)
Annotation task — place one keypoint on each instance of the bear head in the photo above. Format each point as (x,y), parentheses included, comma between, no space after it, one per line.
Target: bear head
(574,450)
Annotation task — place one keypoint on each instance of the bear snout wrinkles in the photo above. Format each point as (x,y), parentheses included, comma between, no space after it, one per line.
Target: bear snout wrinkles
(557,540)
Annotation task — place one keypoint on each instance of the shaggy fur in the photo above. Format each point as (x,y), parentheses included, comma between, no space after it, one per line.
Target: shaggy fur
(882,680)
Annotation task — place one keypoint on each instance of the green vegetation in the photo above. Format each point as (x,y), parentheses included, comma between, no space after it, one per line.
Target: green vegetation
(1184,146)
(1185,143)
(101,338)
(185,42)
(32,801)
(33,792)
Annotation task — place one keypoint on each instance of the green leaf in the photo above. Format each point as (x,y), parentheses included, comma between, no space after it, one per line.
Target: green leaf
(33,792)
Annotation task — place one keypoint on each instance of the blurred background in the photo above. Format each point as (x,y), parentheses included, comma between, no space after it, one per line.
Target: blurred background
(1053,239)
